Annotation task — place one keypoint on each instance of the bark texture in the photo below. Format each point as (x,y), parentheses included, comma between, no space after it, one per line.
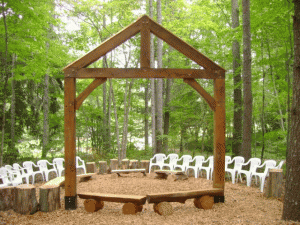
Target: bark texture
(291,207)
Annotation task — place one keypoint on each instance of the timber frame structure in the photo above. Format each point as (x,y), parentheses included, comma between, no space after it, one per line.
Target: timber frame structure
(144,25)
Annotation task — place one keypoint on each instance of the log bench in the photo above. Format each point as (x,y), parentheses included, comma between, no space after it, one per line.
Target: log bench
(94,201)
(203,199)
(129,171)
(60,181)
(85,177)
(171,174)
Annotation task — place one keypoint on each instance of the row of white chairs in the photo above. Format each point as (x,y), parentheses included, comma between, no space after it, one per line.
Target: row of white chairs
(13,175)
(235,172)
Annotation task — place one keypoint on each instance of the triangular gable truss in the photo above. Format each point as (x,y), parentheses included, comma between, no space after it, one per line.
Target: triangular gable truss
(144,25)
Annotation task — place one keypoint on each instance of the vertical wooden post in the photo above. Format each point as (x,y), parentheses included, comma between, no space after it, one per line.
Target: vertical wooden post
(219,137)
(70,144)
(145,43)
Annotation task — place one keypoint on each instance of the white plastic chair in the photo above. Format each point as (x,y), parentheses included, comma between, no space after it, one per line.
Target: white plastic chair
(186,159)
(28,165)
(238,160)
(198,164)
(42,164)
(78,159)
(270,164)
(280,164)
(209,168)
(159,161)
(59,165)
(254,162)
(9,177)
(21,172)
(172,161)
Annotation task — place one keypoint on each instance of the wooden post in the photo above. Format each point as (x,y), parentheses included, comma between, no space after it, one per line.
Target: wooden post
(113,164)
(133,164)
(145,44)
(70,144)
(49,198)
(274,184)
(7,198)
(25,199)
(219,137)
(102,167)
(145,165)
(90,167)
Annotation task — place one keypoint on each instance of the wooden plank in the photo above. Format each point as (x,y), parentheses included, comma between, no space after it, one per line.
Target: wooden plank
(107,45)
(207,97)
(129,171)
(70,142)
(181,196)
(145,43)
(184,48)
(83,95)
(114,197)
(60,181)
(219,134)
(86,73)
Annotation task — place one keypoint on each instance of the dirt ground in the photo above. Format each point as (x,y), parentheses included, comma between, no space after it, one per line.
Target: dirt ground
(243,205)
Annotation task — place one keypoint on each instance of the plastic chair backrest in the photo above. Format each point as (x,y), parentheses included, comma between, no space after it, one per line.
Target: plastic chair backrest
(270,164)
(186,159)
(199,159)
(42,164)
(59,162)
(159,157)
(280,164)
(238,160)
(28,166)
(211,161)
(4,175)
(254,162)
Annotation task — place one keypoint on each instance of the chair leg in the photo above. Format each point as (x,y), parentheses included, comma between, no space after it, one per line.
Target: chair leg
(249,177)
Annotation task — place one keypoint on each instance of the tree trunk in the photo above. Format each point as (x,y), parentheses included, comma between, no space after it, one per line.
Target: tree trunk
(263,107)
(5,75)
(247,115)
(126,113)
(153,102)
(146,116)
(159,85)
(291,206)
(116,119)
(46,116)
(237,93)
(13,105)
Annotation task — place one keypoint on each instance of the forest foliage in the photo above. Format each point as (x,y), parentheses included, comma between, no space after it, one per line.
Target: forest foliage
(42,37)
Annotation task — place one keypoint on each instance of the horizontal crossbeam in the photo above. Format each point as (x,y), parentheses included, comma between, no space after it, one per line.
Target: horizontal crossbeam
(141,73)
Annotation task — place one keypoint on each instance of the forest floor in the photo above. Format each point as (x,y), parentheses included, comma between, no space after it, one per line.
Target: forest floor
(243,205)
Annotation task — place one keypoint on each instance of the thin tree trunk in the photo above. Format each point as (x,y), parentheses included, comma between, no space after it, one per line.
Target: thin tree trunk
(153,102)
(247,115)
(159,85)
(126,113)
(263,106)
(291,206)
(109,120)
(146,115)
(5,75)
(13,104)
(116,119)
(46,116)
(237,93)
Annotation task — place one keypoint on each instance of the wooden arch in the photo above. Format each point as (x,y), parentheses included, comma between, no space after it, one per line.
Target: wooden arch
(144,25)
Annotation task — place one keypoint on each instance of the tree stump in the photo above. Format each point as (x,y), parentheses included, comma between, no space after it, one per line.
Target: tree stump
(25,199)
(49,198)
(131,208)
(102,167)
(7,198)
(113,164)
(114,176)
(163,208)
(91,205)
(145,165)
(204,202)
(274,184)
(175,177)
(90,167)
(125,164)
(133,164)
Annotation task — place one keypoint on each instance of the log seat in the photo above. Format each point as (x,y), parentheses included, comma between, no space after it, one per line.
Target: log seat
(129,171)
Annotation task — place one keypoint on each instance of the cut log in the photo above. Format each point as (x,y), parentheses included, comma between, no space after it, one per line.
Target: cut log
(144,164)
(164,208)
(114,175)
(130,208)
(125,164)
(92,205)
(102,167)
(176,177)
(204,202)
(49,198)
(7,198)
(274,184)
(25,199)
(85,177)
(133,164)
(113,164)
(91,167)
